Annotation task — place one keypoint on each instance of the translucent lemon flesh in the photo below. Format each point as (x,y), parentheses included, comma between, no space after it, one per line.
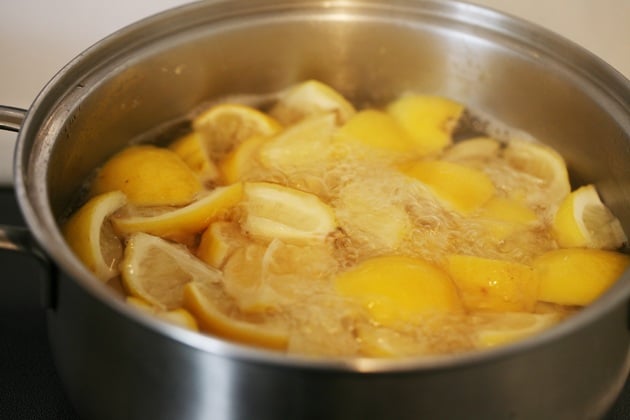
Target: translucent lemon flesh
(214,321)
(399,289)
(301,144)
(508,327)
(578,276)
(582,220)
(225,126)
(543,163)
(156,270)
(91,237)
(275,211)
(308,99)
(148,176)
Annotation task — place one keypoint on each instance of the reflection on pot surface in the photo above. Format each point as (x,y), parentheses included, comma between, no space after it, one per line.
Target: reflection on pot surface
(312,226)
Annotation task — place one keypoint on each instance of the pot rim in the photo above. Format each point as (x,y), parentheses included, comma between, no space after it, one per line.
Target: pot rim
(34,201)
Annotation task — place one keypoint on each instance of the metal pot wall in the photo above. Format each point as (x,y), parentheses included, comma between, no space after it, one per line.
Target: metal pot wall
(116,363)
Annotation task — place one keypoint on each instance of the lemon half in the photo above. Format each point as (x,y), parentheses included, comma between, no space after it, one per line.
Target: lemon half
(156,270)
(582,220)
(274,211)
(149,176)
(90,234)
(216,322)
(308,99)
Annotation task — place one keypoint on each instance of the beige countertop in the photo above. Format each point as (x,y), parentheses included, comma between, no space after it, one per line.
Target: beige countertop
(38,37)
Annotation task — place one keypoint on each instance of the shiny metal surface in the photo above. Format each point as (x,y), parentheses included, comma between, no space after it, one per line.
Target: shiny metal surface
(11,118)
(120,364)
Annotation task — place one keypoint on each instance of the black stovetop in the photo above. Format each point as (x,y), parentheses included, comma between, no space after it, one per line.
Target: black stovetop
(29,385)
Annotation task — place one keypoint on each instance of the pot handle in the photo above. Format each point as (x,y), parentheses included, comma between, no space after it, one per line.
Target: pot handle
(19,239)
(11,118)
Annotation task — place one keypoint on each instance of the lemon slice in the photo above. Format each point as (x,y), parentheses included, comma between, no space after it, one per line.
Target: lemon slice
(508,327)
(308,99)
(543,163)
(218,242)
(460,187)
(398,289)
(149,176)
(216,322)
(578,276)
(190,149)
(274,211)
(505,216)
(90,235)
(156,270)
(179,223)
(582,220)
(478,148)
(387,342)
(301,144)
(429,120)
(371,215)
(494,285)
(224,126)
(507,210)
(179,316)
(377,130)
(235,166)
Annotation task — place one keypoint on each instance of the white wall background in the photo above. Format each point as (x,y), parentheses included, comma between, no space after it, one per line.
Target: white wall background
(38,37)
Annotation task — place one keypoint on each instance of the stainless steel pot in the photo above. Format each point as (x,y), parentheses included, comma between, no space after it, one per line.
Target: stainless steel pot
(116,363)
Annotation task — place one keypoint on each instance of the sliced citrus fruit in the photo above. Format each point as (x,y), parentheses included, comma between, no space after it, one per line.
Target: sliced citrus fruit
(301,144)
(149,176)
(507,210)
(387,342)
(495,285)
(577,276)
(274,211)
(184,221)
(366,214)
(429,120)
(190,149)
(216,322)
(461,187)
(218,242)
(478,148)
(91,236)
(223,127)
(156,270)
(503,328)
(582,220)
(375,129)
(542,162)
(311,98)
(237,163)
(505,216)
(246,281)
(397,289)
(179,316)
